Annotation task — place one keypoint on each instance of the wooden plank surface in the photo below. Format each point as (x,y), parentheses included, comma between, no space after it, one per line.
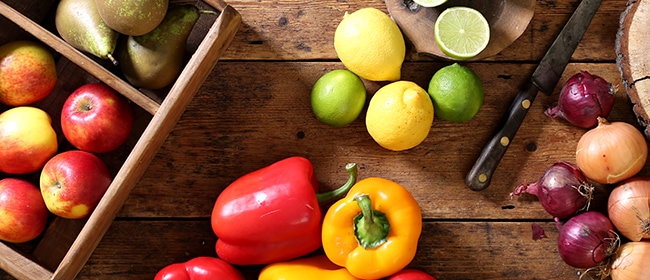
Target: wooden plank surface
(254,110)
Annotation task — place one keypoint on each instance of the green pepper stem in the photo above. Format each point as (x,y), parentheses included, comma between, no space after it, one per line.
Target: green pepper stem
(371,227)
(352,170)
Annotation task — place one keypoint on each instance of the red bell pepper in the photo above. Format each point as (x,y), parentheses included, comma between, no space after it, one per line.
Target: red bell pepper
(272,214)
(200,268)
(411,274)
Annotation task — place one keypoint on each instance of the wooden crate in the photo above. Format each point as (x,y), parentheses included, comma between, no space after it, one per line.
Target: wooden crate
(65,246)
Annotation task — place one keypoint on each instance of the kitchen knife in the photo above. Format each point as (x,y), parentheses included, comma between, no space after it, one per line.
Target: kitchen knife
(544,79)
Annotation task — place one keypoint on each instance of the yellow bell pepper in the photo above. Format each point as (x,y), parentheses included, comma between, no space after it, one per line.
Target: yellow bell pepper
(313,268)
(374,230)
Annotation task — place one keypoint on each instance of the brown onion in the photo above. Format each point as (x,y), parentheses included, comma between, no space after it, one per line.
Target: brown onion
(628,208)
(611,152)
(631,261)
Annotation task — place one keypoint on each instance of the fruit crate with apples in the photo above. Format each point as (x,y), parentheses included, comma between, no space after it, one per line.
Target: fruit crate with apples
(63,248)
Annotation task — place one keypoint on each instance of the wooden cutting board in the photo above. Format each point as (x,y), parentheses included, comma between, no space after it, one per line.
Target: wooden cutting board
(633,58)
(508,19)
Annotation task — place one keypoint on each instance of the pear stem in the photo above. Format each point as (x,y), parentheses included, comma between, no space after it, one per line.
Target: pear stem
(208,12)
(112,59)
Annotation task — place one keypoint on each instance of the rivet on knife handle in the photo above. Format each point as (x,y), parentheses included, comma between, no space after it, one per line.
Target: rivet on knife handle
(479,177)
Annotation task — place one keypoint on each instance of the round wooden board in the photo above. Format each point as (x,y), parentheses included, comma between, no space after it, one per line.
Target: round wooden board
(508,19)
(633,59)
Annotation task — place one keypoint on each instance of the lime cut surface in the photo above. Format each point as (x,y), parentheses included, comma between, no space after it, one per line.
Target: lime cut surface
(461,32)
(429,3)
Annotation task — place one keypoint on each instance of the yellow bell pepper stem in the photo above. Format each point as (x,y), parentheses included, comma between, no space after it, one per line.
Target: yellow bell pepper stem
(343,229)
(318,267)
(371,227)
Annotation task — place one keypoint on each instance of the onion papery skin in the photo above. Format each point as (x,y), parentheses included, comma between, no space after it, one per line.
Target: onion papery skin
(586,240)
(584,98)
(631,262)
(628,207)
(562,190)
(611,152)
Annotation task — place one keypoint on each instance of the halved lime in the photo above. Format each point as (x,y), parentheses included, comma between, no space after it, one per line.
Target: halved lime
(429,3)
(461,32)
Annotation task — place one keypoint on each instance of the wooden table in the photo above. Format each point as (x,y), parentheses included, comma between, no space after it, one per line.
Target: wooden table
(254,110)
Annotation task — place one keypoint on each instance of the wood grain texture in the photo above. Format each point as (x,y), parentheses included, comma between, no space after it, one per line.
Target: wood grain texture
(507,20)
(300,30)
(448,250)
(253,109)
(631,43)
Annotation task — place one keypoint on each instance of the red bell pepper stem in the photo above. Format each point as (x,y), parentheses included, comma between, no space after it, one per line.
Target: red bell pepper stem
(342,190)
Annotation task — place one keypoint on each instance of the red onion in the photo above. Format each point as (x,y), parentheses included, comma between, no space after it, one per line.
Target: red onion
(562,190)
(586,240)
(584,98)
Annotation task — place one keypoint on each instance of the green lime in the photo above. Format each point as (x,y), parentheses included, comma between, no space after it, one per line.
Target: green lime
(338,97)
(457,93)
(461,32)
(429,3)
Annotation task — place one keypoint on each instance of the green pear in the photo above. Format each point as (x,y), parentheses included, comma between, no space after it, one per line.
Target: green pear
(79,23)
(132,17)
(154,60)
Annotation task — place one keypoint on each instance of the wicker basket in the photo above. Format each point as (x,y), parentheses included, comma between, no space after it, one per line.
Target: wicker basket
(65,246)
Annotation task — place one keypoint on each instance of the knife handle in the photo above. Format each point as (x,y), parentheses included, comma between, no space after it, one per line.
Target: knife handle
(479,177)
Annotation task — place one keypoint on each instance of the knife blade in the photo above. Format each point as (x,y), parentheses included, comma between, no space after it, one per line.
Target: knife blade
(544,78)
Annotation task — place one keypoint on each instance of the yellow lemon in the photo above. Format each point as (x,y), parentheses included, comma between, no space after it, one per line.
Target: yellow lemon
(399,115)
(370,44)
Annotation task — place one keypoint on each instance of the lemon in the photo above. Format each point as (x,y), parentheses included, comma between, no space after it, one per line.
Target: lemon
(399,115)
(370,44)
(338,97)
(429,3)
(457,93)
(461,32)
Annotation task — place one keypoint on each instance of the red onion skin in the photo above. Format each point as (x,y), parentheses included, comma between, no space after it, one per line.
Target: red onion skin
(584,98)
(538,232)
(587,239)
(562,190)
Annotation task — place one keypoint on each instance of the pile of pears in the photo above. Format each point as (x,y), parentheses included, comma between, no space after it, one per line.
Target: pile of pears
(145,38)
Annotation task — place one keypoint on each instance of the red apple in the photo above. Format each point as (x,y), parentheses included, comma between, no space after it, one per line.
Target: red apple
(27,140)
(23,214)
(95,118)
(27,73)
(73,183)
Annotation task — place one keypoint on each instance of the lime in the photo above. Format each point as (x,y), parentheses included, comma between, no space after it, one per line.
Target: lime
(429,3)
(457,93)
(461,32)
(399,115)
(370,44)
(337,98)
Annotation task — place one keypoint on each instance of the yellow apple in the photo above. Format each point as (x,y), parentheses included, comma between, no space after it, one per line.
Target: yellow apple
(27,140)
(27,73)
